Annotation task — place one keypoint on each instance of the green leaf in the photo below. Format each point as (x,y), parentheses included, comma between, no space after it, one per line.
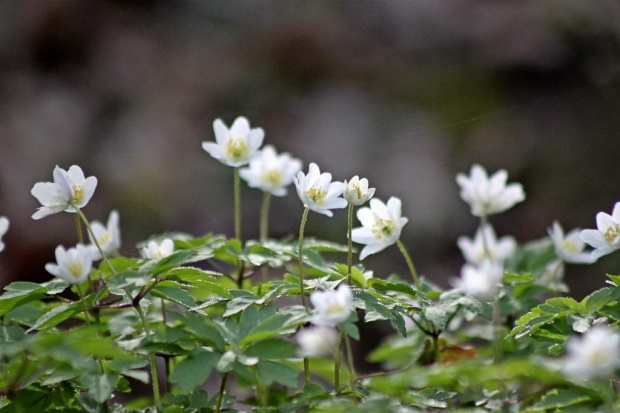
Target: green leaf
(351,330)
(175,293)
(56,316)
(19,293)
(270,371)
(204,328)
(559,398)
(383,285)
(272,349)
(600,298)
(438,315)
(194,370)
(100,386)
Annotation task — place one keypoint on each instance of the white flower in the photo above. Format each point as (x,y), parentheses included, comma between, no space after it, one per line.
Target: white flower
(4,227)
(317,191)
(569,247)
(72,265)
(69,187)
(605,239)
(317,341)
(381,228)
(235,146)
(357,191)
(553,276)
(486,195)
(332,307)
(481,282)
(108,237)
(595,355)
(156,251)
(271,172)
(499,250)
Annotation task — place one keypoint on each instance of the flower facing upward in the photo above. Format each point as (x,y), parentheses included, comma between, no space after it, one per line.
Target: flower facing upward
(4,227)
(332,307)
(108,237)
(595,355)
(357,192)
(271,172)
(69,187)
(317,341)
(155,251)
(488,195)
(381,228)
(317,191)
(72,265)
(481,282)
(569,247)
(605,239)
(235,146)
(499,250)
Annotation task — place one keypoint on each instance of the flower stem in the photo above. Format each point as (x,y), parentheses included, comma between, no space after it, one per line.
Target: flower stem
(302,227)
(78,227)
(92,235)
(154,375)
(497,330)
(350,256)
(352,373)
(81,294)
(337,355)
(237,205)
(264,216)
(220,395)
(412,270)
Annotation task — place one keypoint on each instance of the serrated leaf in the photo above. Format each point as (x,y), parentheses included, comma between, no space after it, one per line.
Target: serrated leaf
(174,293)
(270,371)
(272,349)
(56,316)
(194,370)
(19,293)
(100,386)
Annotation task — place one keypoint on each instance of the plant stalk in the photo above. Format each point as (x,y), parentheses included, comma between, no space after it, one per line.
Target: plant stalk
(412,270)
(237,180)
(264,216)
(337,356)
(350,255)
(220,395)
(154,374)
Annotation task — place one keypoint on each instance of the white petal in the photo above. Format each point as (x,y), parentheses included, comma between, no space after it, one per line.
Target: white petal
(49,210)
(379,208)
(221,132)
(593,238)
(240,127)
(213,149)
(616,212)
(366,217)
(255,139)
(76,175)
(604,221)
(90,184)
(53,269)
(372,249)
(394,207)
(45,192)
(363,236)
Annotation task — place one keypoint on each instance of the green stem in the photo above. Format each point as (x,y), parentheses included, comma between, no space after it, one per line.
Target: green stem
(436,349)
(412,270)
(302,227)
(350,256)
(220,395)
(81,294)
(352,373)
(497,330)
(264,216)
(237,205)
(92,235)
(78,227)
(337,355)
(261,395)
(167,359)
(154,375)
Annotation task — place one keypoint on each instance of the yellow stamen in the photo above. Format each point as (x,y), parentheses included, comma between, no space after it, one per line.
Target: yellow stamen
(78,196)
(237,149)
(105,237)
(336,308)
(383,228)
(358,190)
(570,246)
(272,176)
(612,233)
(75,269)
(317,195)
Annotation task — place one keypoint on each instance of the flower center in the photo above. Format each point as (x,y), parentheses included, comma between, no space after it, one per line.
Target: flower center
(570,246)
(598,358)
(612,233)
(358,190)
(237,149)
(75,269)
(104,238)
(272,176)
(78,196)
(317,195)
(383,228)
(335,309)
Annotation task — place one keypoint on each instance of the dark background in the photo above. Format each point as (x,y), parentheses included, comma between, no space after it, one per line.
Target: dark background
(406,93)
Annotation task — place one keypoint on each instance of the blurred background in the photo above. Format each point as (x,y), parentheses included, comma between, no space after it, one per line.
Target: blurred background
(405,93)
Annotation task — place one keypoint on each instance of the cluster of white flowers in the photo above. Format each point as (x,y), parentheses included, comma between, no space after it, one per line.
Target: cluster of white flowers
(606,238)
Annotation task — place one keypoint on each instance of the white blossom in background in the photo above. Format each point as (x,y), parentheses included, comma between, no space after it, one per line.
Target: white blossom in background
(317,191)
(596,354)
(72,265)
(331,307)
(4,227)
(271,172)
(154,251)
(499,249)
(569,247)
(553,276)
(481,282)
(381,226)
(606,238)
(236,146)
(69,187)
(357,192)
(317,341)
(108,236)
(488,195)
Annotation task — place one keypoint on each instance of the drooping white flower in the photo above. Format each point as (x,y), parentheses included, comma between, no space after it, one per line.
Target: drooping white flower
(235,146)
(481,282)
(381,228)
(499,250)
(317,341)
(271,172)
(108,237)
(69,187)
(155,251)
(488,195)
(72,265)
(596,354)
(569,247)
(332,307)
(357,192)
(606,238)
(317,191)
(4,227)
